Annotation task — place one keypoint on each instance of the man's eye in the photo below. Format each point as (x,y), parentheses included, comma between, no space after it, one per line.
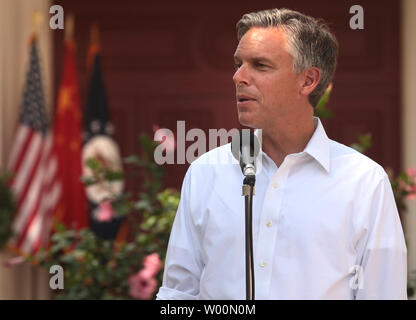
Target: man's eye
(261,65)
(237,65)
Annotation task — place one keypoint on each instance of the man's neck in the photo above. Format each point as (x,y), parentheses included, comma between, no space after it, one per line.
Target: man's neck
(286,136)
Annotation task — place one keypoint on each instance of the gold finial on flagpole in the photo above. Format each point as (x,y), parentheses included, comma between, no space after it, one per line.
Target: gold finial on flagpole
(37,19)
(94,47)
(69,27)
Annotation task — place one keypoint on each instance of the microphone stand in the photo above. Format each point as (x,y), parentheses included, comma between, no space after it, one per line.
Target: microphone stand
(248,192)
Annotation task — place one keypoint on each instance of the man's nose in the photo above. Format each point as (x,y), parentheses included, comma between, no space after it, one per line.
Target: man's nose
(241,77)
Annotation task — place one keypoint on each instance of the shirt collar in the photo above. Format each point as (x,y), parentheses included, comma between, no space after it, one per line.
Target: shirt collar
(317,147)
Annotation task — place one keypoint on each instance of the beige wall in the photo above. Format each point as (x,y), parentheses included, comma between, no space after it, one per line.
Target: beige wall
(21,282)
(409,113)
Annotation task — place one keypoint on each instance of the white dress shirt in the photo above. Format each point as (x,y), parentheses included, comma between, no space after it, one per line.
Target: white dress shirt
(325,226)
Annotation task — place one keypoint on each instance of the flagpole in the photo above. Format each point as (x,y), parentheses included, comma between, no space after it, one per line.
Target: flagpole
(36,23)
(94,34)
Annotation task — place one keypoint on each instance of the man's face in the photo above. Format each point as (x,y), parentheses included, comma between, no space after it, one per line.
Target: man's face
(266,86)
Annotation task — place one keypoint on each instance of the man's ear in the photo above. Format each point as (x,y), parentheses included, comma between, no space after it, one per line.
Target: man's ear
(310,80)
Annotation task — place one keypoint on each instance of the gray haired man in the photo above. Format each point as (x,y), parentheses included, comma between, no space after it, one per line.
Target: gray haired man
(325,223)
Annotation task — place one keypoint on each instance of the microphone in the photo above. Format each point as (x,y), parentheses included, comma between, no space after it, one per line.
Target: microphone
(245,147)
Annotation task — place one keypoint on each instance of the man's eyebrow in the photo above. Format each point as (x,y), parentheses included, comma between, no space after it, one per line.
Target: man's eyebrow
(255,59)
(263,59)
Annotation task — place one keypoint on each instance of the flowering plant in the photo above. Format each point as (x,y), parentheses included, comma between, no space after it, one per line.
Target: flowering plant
(7,208)
(128,266)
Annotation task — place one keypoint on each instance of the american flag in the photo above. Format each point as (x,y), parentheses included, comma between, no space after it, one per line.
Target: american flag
(34,166)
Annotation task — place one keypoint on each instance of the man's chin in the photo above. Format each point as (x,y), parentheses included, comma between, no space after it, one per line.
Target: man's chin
(245,121)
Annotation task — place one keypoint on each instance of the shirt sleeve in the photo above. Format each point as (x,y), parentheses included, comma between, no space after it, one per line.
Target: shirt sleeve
(383,263)
(183,264)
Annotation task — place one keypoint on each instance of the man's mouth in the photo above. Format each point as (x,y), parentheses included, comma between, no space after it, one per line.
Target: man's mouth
(244,99)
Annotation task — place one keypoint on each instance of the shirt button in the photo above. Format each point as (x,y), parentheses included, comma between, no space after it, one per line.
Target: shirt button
(263,264)
(269,224)
(275,185)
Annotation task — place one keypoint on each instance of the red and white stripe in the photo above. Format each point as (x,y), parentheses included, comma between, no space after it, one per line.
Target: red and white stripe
(36,186)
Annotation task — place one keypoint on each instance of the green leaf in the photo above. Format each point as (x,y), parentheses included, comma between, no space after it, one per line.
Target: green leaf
(144,205)
(7,208)
(321,109)
(88,181)
(133,159)
(364,143)
(113,175)
(92,163)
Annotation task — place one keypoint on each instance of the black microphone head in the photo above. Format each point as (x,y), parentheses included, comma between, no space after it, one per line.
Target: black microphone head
(245,147)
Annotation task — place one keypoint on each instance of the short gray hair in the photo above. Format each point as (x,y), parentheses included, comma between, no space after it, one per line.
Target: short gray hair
(311,43)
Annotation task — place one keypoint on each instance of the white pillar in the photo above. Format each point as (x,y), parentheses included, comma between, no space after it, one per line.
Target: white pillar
(23,281)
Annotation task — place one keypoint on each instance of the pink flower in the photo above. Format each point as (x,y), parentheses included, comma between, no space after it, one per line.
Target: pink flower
(142,285)
(411,172)
(13,261)
(411,189)
(105,211)
(152,263)
(165,136)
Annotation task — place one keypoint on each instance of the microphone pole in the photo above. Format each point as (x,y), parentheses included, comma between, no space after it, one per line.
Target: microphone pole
(248,191)
(245,147)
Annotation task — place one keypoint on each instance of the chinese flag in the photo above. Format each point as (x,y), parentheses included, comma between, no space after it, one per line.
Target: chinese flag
(72,209)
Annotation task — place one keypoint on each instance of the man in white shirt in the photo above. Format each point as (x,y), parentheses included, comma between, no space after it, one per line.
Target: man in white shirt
(325,223)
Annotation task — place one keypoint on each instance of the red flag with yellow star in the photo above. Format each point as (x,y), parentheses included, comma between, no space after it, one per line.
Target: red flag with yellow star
(72,208)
